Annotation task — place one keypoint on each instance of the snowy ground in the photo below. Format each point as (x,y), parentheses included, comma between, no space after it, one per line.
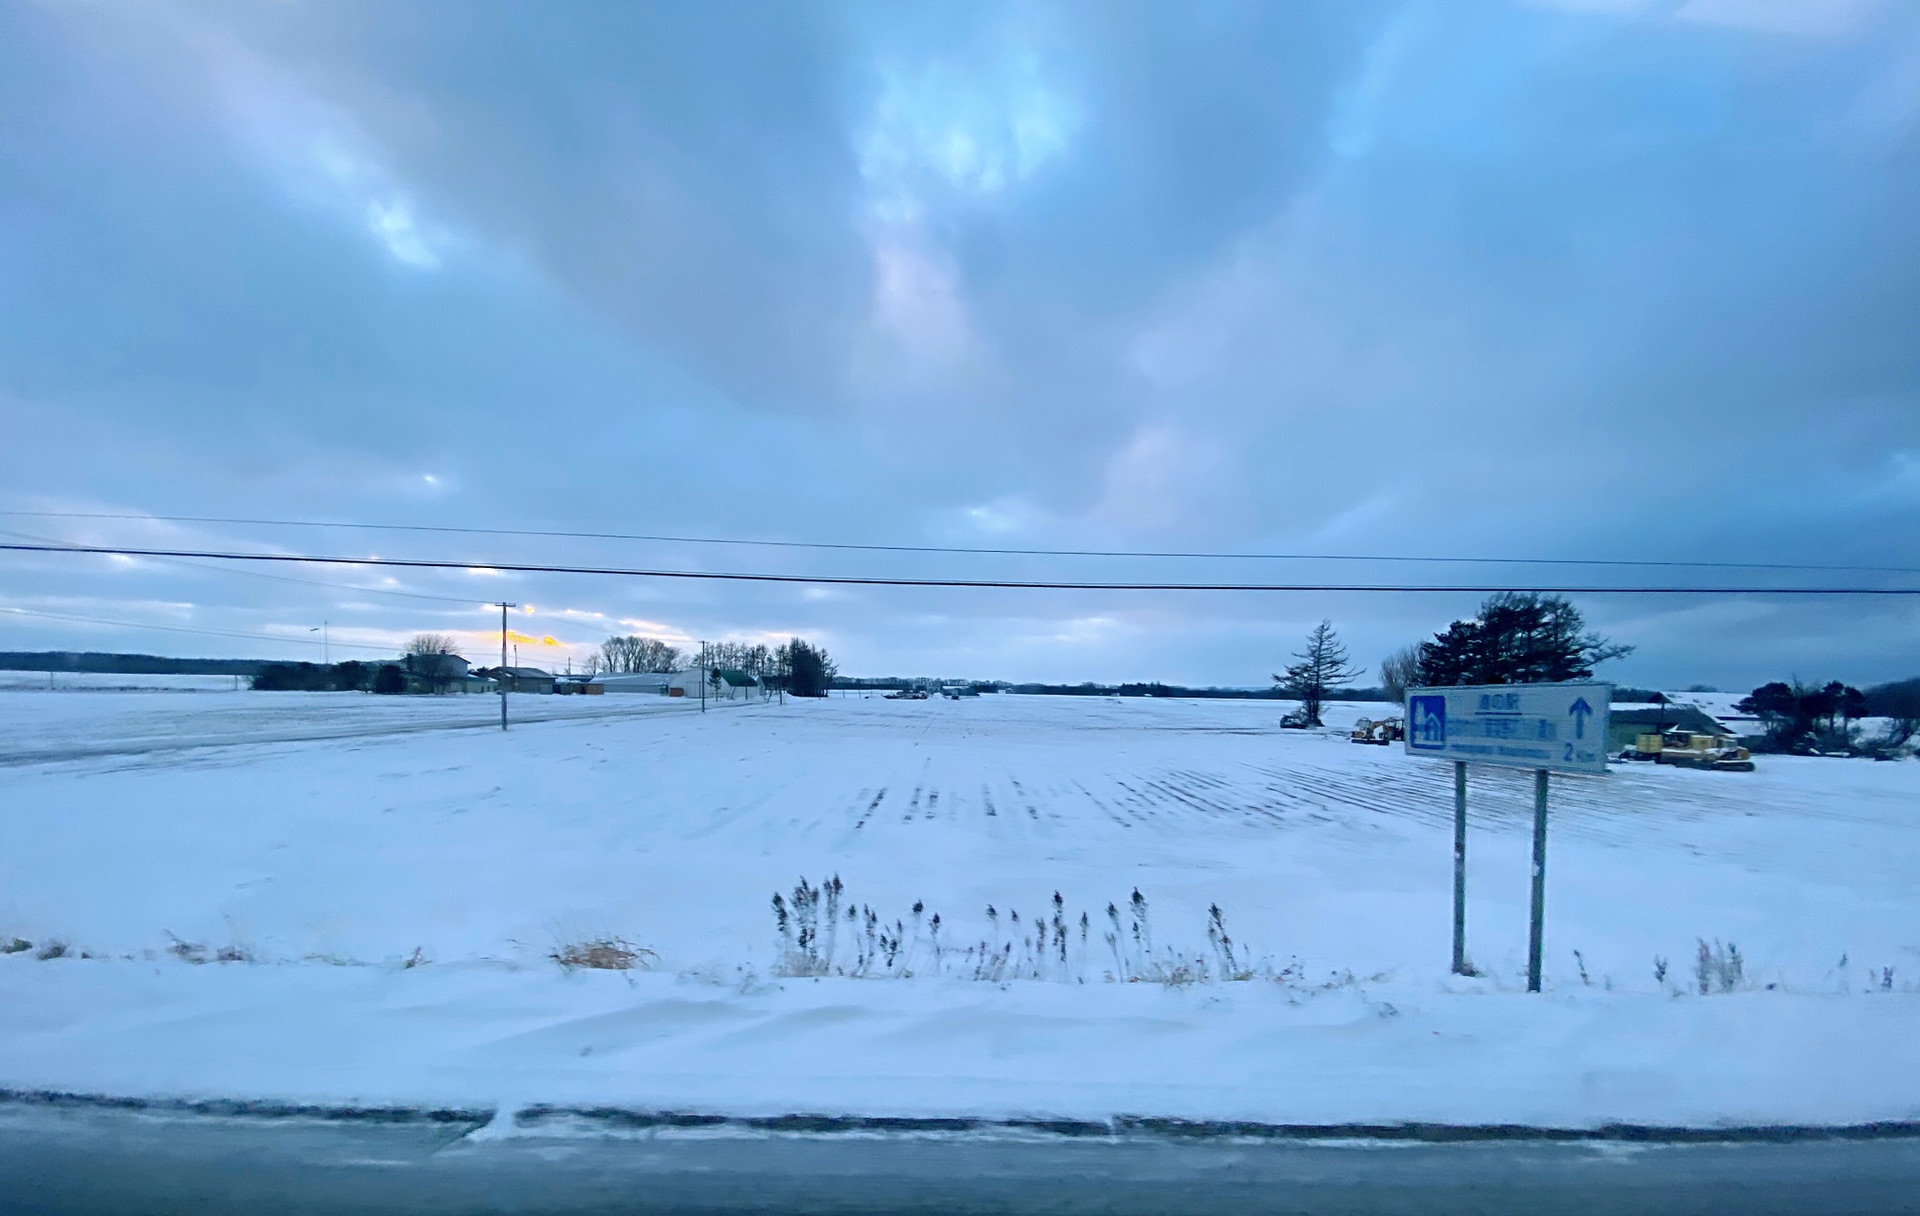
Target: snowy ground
(330,863)
(73,724)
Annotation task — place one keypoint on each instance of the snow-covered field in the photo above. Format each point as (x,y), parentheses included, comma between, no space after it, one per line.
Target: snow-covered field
(330,864)
(72,724)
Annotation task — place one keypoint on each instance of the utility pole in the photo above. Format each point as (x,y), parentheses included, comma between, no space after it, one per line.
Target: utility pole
(703,677)
(503,661)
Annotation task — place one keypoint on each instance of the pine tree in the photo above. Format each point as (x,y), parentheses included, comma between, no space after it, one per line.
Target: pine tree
(1519,637)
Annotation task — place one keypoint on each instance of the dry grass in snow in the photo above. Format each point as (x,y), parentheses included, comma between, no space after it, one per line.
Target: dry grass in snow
(607,954)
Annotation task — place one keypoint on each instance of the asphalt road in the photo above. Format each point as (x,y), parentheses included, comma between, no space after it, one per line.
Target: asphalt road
(63,1161)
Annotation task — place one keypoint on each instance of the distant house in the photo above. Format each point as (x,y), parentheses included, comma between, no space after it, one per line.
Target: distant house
(520,679)
(438,673)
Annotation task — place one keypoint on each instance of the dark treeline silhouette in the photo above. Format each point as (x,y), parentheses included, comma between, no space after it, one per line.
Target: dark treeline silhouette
(350,676)
(1177,690)
(1899,700)
(125,664)
(1820,718)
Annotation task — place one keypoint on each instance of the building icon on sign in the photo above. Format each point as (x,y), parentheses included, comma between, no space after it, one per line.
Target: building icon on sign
(1427,723)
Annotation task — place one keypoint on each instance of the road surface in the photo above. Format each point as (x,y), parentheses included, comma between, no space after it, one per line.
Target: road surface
(61,1161)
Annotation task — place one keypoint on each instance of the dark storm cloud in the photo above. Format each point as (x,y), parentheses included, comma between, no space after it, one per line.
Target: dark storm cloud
(1611,279)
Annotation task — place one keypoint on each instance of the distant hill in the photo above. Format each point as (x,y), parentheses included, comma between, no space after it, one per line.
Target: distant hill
(125,664)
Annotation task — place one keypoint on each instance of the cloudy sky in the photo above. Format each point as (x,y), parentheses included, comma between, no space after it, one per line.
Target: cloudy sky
(1634,280)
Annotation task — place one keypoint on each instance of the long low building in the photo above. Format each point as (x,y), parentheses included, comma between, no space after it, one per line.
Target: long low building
(1628,722)
(655,682)
(519,679)
(716,684)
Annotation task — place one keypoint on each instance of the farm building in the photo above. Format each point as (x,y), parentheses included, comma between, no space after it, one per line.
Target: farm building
(521,679)
(1627,723)
(718,684)
(654,682)
(686,683)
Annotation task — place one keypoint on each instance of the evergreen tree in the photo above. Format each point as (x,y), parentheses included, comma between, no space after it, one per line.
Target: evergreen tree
(1316,671)
(1520,637)
(806,667)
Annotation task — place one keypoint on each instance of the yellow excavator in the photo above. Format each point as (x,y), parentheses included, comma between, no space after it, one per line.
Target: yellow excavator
(1383,732)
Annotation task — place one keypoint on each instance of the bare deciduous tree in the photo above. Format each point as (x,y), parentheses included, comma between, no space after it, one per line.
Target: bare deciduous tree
(637,654)
(432,643)
(755,660)
(1400,671)
(1320,668)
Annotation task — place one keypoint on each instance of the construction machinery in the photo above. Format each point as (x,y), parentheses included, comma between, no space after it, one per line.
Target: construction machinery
(1691,749)
(1383,732)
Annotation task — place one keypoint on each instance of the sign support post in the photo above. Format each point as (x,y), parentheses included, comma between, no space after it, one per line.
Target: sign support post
(1536,927)
(1459,867)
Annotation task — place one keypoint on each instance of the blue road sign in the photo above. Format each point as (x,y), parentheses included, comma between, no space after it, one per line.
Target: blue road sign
(1562,727)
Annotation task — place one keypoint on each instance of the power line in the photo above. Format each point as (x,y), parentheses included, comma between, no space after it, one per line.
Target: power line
(278,578)
(212,633)
(559,534)
(874,581)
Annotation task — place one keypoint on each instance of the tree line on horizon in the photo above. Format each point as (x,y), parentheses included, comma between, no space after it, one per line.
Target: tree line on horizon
(1819,719)
(1523,637)
(1518,637)
(801,668)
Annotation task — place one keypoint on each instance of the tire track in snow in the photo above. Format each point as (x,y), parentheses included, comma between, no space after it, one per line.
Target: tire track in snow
(1107,810)
(871,808)
(913,804)
(1021,791)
